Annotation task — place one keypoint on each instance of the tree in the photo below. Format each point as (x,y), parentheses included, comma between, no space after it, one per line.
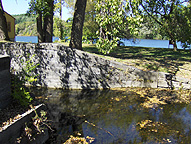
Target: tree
(58,8)
(3,24)
(115,21)
(36,8)
(48,21)
(90,24)
(167,13)
(77,25)
(43,9)
(149,29)
(183,18)
(60,24)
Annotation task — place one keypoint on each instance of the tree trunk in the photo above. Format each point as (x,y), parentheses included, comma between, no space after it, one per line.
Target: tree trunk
(174,45)
(60,24)
(3,24)
(45,28)
(39,28)
(173,42)
(77,25)
(48,22)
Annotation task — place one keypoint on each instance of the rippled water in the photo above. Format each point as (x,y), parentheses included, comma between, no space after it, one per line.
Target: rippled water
(114,116)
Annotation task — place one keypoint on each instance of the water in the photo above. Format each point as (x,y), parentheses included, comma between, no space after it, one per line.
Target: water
(150,43)
(31,39)
(116,116)
(126,42)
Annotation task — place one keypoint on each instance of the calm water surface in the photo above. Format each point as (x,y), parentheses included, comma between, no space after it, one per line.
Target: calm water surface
(150,43)
(31,39)
(116,117)
(127,42)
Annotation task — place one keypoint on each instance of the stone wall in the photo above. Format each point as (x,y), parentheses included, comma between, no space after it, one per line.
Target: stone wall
(63,67)
(5,81)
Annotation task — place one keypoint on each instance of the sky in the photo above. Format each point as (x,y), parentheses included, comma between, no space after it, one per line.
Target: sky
(21,6)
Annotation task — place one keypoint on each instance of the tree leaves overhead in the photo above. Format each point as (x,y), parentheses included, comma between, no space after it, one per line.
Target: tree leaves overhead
(36,6)
(171,15)
(116,21)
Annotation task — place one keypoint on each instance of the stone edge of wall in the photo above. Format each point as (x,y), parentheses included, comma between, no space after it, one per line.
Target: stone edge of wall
(5,81)
(136,77)
(10,133)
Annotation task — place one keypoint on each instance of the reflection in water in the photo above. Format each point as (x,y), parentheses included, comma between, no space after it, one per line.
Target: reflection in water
(112,116)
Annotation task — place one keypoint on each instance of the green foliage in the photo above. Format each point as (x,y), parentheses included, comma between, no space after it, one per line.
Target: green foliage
(183,18)
(105,45)
(25,25)
(27,70)
(19,81)
(26,29)
(149,29)
(36,6)
(40,121)
(56,27)
(115,21)
(67,25)
(37,126)
(172,17)
(21,18)
(90,25)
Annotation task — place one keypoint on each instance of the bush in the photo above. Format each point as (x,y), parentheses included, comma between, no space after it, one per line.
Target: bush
(25,76)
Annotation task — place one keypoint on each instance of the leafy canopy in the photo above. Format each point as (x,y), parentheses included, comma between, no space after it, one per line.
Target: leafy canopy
(114,19)
(173,17)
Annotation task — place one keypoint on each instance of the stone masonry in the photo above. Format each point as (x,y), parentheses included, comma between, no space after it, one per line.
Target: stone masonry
(5,81)
(63,67)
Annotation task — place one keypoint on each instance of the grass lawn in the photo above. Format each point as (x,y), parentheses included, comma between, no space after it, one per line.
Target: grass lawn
(157,59)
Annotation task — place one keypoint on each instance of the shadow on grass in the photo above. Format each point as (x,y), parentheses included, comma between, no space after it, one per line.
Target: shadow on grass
(158,59)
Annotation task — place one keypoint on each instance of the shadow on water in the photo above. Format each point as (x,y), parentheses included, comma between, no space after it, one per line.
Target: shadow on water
(114,116)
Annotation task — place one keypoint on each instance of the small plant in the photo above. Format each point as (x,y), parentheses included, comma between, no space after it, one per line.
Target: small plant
(40,121)
(25,76)
(35,127)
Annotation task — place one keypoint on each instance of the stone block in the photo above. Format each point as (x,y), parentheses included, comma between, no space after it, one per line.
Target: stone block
(182,80)
(162,83)
(137,84)
(4,62)
(176,84)
(5,82)
(186,86)
(162,75)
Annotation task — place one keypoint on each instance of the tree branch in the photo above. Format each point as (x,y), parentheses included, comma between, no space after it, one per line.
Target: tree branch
(152,16)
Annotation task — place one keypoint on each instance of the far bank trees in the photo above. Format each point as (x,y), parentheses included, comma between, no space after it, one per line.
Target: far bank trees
(171,15)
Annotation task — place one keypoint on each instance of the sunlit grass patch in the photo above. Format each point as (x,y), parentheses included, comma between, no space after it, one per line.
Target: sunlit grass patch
(157,59)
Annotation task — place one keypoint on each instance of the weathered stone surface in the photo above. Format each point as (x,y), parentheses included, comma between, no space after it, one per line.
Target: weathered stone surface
(5,81)
(185,86)
(63,67)
(162,83)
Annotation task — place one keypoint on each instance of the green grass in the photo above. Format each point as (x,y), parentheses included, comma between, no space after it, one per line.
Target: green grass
(157,59)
